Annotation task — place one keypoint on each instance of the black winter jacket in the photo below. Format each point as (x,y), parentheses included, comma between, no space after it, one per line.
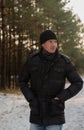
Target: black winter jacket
(41,80)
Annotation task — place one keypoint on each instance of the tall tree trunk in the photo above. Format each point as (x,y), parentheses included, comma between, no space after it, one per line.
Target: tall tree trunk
(3,45)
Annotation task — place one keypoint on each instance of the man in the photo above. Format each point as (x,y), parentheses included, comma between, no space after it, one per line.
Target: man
(42,82)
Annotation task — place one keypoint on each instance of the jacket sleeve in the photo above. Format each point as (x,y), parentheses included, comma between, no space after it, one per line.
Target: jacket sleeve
(75,80)
(24,78)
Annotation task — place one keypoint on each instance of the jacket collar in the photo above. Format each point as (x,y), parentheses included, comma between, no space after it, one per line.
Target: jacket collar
(48,56)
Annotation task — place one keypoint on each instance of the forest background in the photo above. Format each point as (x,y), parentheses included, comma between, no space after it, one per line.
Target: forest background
(21,23)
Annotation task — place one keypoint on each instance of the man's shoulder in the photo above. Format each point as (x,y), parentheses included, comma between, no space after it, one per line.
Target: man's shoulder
(31,58)
(65,58)
(34,54)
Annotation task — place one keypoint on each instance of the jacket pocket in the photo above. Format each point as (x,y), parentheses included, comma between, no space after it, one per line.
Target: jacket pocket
(59,70)
(57,107)
(34,107)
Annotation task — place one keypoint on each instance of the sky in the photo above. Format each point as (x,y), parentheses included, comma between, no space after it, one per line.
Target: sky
(78,8)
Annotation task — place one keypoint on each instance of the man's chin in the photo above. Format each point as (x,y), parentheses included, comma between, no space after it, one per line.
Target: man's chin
(52,51)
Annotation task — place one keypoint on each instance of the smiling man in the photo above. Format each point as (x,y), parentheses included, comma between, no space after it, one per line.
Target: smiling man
(42,81)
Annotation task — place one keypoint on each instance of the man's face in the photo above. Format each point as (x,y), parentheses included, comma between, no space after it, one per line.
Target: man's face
(50,45)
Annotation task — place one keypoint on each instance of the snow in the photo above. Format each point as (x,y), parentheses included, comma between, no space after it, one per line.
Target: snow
(14,112)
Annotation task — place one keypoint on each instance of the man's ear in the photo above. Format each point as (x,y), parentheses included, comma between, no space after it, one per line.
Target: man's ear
(42,45)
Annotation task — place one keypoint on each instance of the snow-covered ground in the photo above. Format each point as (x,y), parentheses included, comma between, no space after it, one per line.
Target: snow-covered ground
(14,112)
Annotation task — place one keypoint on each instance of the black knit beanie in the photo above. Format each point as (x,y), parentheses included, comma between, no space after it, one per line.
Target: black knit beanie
(47,35)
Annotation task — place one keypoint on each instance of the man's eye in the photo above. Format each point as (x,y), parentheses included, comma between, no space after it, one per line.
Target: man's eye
(50,41)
